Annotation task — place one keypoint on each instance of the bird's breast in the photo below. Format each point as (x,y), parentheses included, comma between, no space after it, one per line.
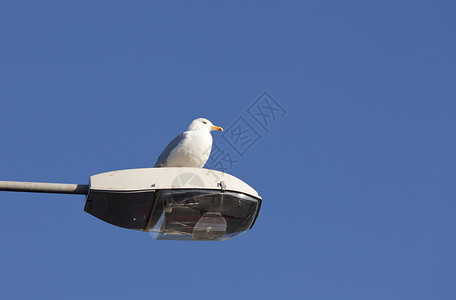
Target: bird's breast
(193,151)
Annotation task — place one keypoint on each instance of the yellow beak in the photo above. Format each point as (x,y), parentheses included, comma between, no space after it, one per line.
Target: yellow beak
(217,128)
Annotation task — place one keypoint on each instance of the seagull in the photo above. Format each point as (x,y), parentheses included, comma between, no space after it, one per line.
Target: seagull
(191,148)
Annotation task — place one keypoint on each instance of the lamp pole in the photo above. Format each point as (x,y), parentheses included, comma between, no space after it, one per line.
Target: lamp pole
(44,187)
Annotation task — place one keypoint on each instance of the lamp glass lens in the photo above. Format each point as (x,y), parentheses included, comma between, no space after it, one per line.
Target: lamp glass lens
(204,215)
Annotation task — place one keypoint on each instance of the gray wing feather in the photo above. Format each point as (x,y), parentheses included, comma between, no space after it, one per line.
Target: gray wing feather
(165,154)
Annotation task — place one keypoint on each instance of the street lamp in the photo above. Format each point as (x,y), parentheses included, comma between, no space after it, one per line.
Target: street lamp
(170,203)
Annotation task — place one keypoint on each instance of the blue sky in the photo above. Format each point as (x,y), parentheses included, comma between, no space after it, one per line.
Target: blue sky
(357,174)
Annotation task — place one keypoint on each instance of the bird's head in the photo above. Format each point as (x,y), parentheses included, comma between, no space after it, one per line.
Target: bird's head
(202,123)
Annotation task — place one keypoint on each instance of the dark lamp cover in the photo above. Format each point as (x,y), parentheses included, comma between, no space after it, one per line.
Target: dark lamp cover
(180,214)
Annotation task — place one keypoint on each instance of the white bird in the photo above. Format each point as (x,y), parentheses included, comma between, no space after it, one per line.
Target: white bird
(191,148)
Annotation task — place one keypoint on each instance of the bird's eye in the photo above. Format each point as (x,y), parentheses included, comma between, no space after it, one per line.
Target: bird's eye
(204,122)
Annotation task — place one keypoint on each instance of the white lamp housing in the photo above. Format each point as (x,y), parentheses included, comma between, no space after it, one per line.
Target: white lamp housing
(174,203)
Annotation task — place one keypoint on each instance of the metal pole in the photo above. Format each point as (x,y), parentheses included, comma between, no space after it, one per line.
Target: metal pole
(44,187)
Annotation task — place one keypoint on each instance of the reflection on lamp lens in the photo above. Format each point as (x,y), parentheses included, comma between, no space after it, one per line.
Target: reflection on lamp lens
(211,226)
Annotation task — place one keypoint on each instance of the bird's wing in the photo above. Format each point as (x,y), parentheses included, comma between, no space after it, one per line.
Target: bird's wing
(165,154)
